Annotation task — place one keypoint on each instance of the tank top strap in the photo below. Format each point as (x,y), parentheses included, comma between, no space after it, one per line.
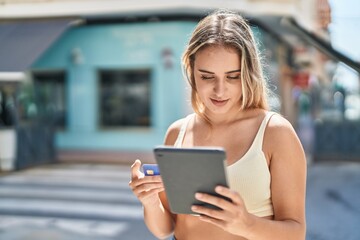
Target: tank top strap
(182,131)
(258,141)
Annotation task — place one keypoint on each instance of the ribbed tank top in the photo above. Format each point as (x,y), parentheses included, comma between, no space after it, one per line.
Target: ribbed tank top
(250,175)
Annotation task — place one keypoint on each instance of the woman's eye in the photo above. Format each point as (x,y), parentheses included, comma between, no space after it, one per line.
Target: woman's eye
(234,77)
(203,77)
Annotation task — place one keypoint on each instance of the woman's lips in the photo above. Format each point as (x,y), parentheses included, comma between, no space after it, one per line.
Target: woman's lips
(217,102)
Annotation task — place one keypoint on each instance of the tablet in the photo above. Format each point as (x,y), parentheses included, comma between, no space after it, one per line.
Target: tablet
(185,171)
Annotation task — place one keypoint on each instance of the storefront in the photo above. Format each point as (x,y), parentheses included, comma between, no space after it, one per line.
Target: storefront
(114,87)
(118,86)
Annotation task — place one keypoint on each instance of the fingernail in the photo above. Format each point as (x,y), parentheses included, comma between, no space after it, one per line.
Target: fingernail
(198,195)
(219,189)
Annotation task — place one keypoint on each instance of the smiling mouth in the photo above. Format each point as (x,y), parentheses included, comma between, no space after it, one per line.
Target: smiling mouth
(219,102)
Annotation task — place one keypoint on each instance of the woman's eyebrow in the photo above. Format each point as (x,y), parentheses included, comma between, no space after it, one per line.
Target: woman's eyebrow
(205,71)
(232,71)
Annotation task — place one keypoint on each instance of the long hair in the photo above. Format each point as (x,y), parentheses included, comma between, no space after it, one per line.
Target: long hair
(230,30)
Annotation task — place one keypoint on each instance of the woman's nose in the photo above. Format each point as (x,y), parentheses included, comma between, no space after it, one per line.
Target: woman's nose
(219,87)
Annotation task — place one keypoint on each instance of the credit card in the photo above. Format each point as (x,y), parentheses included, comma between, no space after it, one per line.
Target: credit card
(151,169)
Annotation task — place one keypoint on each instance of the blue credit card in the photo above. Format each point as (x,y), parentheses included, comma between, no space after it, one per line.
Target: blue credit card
(151,169)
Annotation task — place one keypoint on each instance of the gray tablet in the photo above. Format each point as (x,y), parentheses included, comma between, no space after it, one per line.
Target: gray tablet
(185,171)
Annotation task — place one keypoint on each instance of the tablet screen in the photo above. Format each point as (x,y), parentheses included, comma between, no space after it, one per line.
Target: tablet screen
(185,171)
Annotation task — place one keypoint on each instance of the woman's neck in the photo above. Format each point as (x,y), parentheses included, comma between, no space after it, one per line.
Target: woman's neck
(228,118)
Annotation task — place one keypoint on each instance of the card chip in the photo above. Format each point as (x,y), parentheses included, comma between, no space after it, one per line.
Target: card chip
(150,172)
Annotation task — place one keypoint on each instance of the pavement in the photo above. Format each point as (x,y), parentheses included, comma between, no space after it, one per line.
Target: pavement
(333,201)
(70,202)
(93,202)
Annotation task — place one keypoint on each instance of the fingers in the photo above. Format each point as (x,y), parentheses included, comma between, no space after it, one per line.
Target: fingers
(146,184)
(145,180)
(228,207)
(214,200)
(207,212)
(147,187)
(135,169)
(232,195)
(144,194)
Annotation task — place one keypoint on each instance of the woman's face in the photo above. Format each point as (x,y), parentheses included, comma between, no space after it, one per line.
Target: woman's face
(217,79)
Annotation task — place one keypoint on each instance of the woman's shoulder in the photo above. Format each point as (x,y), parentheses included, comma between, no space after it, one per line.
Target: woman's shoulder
(283,148)
(280,133)
(173,131)
(277,123)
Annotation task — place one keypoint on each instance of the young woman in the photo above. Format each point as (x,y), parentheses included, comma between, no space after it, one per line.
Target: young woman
(266,166)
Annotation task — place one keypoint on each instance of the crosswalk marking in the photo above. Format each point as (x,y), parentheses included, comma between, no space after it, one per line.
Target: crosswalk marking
(82,209)
(91,200)
(67,193)
(65,181)
(112,173)
(85,227)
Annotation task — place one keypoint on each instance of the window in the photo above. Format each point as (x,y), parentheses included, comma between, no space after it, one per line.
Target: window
(50,97)
(124,98)
(7,104)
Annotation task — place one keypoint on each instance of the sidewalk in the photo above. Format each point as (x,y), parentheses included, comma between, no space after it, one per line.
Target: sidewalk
(333,201)
(39,233)
(70,201)
(333,211)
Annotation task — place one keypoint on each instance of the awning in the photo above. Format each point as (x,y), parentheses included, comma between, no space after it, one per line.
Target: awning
(279,27)
(321,45)
(23,42)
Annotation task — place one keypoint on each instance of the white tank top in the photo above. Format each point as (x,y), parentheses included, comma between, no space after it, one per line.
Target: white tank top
(250,175)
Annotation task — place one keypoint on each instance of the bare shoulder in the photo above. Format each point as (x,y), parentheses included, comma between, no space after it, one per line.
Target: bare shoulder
(280,137)
(173,132)
(279,126)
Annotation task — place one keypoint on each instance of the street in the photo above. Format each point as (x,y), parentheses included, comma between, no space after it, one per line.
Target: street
(333,201)
(70,202)
(93,202)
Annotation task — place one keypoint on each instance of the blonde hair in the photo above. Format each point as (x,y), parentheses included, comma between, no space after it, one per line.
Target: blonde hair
(230,30)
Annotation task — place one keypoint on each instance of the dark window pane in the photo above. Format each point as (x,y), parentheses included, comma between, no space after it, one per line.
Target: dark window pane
(50,97)
(125,98)
(7,104)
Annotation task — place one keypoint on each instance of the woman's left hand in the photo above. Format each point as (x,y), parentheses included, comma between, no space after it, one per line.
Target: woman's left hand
(232,216)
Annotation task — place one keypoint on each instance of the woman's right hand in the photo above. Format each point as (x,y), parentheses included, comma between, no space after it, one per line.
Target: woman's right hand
(145,188)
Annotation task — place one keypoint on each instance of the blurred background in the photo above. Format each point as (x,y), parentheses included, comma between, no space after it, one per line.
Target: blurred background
(88,86)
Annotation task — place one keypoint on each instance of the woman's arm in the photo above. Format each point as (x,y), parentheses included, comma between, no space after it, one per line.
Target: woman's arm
(150,191)
(158,219)
(288,181)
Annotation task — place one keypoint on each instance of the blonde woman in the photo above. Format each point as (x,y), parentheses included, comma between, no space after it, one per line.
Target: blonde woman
(266,166)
